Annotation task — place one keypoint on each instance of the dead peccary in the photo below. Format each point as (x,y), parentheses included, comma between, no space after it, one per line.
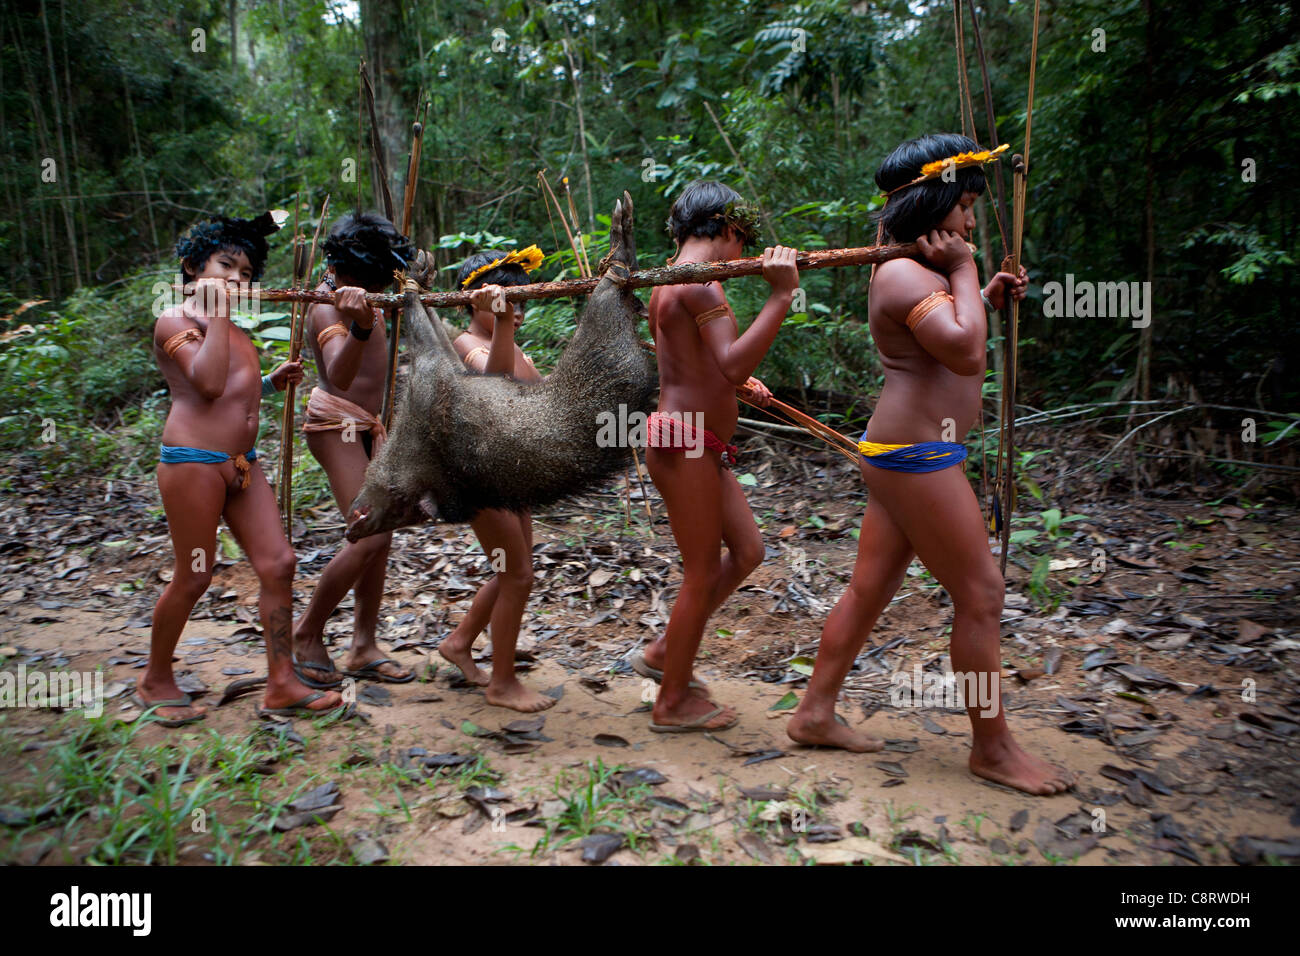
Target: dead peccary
(462,442)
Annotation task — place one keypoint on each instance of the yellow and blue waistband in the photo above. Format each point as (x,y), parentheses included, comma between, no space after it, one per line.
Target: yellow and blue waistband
(920,457)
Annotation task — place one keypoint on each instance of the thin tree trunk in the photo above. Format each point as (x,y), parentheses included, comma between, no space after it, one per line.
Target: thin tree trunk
(582,131)
(83,218)
(1149,232)
(10,199)
(49,257)
(234,37)
(64,167)
(139,158)
(382,23)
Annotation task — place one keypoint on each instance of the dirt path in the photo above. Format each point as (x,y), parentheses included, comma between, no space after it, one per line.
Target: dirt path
(1150,646)
(915,802)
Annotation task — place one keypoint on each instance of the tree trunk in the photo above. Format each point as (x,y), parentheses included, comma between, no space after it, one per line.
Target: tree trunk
(48,257)
(1149,232)
(582,131)
(7,146)
(69,220)
(234,36)
(381,23)
(139,158)
(72,129)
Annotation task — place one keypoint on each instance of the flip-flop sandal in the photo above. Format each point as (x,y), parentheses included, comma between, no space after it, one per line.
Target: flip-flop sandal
(371,671)
(299,708)
(697,725)
(642,667)
(300,666)
(238,688)
(184,701)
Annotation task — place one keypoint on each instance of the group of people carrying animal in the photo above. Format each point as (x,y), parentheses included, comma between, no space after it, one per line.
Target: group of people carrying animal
(927,318)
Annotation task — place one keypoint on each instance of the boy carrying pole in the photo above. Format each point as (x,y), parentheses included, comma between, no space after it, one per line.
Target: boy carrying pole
(702,359)
(343,433)
(209,470)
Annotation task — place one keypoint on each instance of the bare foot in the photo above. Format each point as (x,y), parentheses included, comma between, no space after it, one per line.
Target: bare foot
(691,709)
(463,657)
(819,733)
(518,697)
(167,690)
(1006,763)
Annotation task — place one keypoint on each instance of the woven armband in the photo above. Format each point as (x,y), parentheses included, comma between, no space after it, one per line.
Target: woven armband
(719,312)
(173,344)
(329,332)
(926,306)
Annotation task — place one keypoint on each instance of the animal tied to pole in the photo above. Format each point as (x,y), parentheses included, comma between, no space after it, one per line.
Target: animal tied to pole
(462,442)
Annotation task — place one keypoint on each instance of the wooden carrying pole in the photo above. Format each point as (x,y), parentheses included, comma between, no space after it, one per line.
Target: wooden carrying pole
(301,271)
(1005,489)
(408,200)
(681,274)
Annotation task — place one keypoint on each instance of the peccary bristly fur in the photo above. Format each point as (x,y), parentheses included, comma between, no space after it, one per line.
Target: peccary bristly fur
(462,442)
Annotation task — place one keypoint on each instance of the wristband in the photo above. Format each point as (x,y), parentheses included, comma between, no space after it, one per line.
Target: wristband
(988,306)
(359,333)
(268,387)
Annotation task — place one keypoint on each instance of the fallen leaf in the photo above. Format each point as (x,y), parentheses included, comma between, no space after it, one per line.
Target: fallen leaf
(788,702)
(803,665)
(366,848)
(753,845)
(850,850)
(599,847)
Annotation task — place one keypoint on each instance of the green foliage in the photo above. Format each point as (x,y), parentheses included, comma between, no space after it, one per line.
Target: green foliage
(592,802)
(1042,540)
(112,800)
(84,368)
(793,103)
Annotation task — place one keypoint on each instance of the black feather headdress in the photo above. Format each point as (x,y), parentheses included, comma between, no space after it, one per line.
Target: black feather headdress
(230,232)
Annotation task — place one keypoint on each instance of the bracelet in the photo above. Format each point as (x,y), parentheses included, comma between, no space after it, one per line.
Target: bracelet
(268,387)
(359,333)
(988,306)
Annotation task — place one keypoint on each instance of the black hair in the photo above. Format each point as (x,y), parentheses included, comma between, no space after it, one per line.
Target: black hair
(708,208)
(504,275)
(916,210)
(233,235)
(366,247)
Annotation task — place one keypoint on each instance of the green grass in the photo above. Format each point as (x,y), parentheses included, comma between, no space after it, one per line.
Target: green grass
(592,803)
(197,796)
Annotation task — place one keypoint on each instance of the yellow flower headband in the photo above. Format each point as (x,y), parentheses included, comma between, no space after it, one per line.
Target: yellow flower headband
(527,259)
(936,169)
